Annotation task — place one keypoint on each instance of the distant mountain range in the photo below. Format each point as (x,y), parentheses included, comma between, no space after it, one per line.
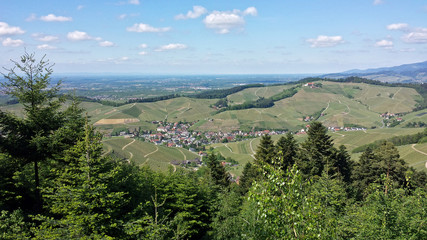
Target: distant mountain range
(415,72)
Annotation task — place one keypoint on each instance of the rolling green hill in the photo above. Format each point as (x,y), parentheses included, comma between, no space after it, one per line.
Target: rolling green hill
(146,154)
(334,104)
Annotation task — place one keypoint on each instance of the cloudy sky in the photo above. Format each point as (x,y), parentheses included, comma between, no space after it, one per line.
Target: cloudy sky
(215,37)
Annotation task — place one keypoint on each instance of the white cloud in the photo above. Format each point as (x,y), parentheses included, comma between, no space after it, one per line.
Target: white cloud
(419,35)
(124,58)
(172,46)
(223,22)
(325,41)
(250,11)
(378,2)
(143,45)
(45,38)
(142,27)
(53,18)
(45,47)
(8,42)
(106,44)
(143,53)
(412,35)
(398,26)
(384,43)
(123,16)
(134,2)
(78,36)
(80,7)
(197,12)
(5,29)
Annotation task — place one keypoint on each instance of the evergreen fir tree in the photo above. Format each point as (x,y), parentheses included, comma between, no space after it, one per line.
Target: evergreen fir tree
(41,135)
(365,172)
(82,203)
(249,175)
(317,150)
(266,152)
(217,171)
(287,149)
(342,164)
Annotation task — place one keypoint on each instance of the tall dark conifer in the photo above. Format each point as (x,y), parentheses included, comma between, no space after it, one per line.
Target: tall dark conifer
(317,150)
(342,164)
(217,171)
(287,149)
(266,152)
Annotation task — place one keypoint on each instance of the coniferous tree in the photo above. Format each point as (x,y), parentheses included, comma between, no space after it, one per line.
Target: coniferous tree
(266,152)
(82,202)
(342,164)
(217,171)
(365,172)
(41,134)
(287,149)
(250,173)
(317,150)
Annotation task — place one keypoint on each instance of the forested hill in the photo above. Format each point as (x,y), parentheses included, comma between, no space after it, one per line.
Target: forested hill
(415,72)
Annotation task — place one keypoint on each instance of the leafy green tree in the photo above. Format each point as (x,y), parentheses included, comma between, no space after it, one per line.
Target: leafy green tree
(282,208)
(390,163)
(227,224)
(286,148)
(394,215)
(266,152)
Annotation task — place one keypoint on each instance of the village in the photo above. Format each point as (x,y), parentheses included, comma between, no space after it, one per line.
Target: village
(179,135)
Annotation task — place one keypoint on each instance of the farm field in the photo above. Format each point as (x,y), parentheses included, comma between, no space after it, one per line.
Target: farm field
(340,104)
(158,158)
(242,151)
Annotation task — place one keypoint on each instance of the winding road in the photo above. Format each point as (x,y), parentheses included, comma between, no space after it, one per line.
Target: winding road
(413,147)
(250,145)
(148,154)
(228,147)
(125,146)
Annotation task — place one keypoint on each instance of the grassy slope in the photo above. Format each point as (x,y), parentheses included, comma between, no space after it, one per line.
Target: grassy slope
(241,151)
(144,153)
(252,94)
(346,103)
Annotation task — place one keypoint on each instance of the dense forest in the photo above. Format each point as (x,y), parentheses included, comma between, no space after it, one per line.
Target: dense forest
(56,183)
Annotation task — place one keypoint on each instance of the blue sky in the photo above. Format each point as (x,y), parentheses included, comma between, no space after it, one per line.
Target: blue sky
(215,37)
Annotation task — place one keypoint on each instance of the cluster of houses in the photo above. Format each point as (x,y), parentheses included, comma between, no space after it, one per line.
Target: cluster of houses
(336,129)
(187,163)
(388,116)
(179,135)
(313,85)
